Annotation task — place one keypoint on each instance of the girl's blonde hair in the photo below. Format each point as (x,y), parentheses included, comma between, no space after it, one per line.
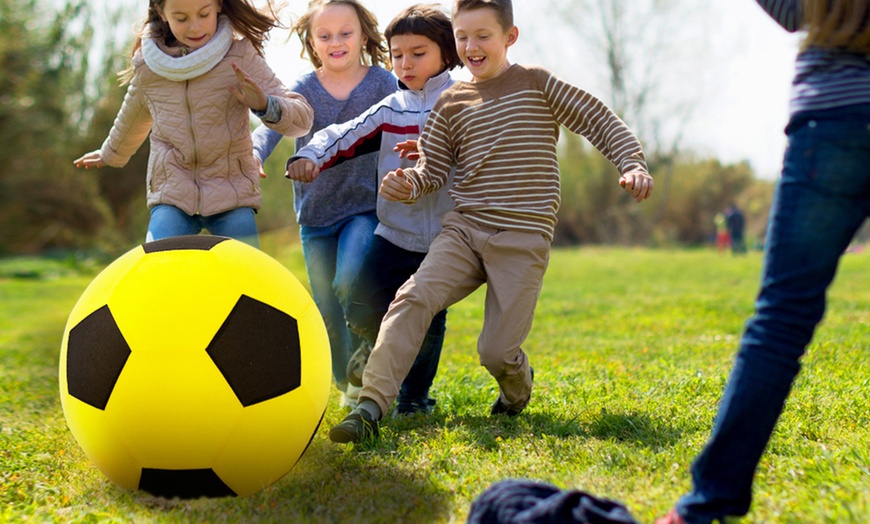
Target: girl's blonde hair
(841,24)
(374,51)
(247,21)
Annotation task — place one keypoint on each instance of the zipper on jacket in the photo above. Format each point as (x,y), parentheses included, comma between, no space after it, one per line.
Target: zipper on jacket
(193,143)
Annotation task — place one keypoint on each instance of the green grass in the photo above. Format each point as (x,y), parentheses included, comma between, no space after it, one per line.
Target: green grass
(631,350)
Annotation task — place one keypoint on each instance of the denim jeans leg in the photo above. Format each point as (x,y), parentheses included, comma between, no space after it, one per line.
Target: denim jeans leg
(239,223)
(820,203)
(332,256)
(381,273)
(385,268)
(355,239)
(169,221)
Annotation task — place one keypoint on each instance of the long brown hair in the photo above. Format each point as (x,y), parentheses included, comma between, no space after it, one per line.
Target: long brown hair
(374,52)
(842,24)
(247,21)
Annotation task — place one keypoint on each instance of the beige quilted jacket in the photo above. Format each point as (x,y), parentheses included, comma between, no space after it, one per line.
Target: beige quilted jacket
(201,152)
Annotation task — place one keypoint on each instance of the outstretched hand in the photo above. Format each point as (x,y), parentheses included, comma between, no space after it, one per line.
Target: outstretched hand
(302,170)
(247,91)
(638,183)
(395,187)
(407,149)
(89,160)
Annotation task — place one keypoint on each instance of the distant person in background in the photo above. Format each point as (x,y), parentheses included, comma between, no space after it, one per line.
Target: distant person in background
(821,200)
(736,224)
(723,238)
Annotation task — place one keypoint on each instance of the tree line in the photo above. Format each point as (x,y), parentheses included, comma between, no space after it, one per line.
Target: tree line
(57,102)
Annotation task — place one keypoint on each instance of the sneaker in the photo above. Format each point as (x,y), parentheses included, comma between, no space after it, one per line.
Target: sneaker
(409,407)
(357,363)
(346,402)
(358,426)
(350,397)
(500,408)
(671,518)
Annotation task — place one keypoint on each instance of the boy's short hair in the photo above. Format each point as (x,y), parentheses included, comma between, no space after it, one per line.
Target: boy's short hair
(504,9)
(430,21)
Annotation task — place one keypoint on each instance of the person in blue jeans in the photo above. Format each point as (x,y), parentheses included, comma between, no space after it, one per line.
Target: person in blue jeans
(423,51)
(337,213)
(821,200)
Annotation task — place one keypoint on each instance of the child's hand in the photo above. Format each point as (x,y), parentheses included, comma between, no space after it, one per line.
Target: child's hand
(90,160)
(302,170)
(260,169)
(248,92)
(407,149)
(395,187)
(638,183)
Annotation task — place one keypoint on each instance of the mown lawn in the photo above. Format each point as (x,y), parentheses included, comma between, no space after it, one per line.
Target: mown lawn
(631,350)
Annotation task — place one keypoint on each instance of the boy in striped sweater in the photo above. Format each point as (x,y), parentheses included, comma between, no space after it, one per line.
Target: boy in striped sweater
(500,132)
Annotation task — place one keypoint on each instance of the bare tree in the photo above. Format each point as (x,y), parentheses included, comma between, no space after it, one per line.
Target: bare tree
(647,56)
(646,59)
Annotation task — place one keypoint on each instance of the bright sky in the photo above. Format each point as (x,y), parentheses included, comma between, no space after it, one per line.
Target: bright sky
(740,81)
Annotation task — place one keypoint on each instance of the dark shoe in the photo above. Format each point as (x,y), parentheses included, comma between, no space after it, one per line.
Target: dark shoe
(358,426)
(357,363)
(410,407)
(499,408)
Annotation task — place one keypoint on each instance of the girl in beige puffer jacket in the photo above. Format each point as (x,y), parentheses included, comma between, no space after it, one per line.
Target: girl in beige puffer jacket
(191,85)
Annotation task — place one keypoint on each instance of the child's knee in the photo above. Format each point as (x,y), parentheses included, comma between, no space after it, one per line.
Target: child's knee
(362,320)
(495,363)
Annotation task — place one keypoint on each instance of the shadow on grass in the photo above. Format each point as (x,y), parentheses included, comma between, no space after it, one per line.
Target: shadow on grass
(633,428)
(363,484)
(328,484)
(486,431)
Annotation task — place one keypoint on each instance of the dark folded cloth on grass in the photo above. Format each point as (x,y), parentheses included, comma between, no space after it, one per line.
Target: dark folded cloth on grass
(519,501)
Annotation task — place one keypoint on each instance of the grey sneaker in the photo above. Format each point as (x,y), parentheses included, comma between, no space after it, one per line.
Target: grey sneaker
(357,363)
(357,426)
(499,408)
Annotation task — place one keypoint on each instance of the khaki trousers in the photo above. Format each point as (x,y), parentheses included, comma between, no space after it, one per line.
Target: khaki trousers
(463,257)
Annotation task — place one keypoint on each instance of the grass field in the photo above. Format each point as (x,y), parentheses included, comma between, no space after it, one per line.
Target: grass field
(631,350)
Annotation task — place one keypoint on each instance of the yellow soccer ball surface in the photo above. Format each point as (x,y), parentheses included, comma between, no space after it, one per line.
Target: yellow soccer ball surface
(194,366)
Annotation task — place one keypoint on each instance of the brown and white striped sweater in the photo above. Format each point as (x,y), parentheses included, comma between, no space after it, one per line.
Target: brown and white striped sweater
(501,135)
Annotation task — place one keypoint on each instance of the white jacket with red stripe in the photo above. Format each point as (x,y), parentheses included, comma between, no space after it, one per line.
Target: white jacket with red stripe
(398,117)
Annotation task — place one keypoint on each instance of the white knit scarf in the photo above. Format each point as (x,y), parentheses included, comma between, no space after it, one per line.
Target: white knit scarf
(192,65)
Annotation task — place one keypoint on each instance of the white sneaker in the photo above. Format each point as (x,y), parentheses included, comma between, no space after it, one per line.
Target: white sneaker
(346,402)
(350,398)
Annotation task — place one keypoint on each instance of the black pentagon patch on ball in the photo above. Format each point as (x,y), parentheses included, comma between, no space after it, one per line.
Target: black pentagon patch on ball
(183,483)
(257,350)
(180,243)
(96,354)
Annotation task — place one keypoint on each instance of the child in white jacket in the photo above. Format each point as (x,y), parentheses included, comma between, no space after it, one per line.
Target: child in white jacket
(423,51)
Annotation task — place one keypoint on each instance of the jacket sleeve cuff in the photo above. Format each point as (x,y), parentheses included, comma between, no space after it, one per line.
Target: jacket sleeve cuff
(272,114)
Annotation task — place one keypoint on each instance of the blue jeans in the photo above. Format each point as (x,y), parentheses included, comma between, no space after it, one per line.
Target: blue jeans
(820,202)
(385,268)
(333,259)
(169,221)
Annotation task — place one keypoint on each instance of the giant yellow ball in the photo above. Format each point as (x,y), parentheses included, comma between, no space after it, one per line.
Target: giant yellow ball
(194,366)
